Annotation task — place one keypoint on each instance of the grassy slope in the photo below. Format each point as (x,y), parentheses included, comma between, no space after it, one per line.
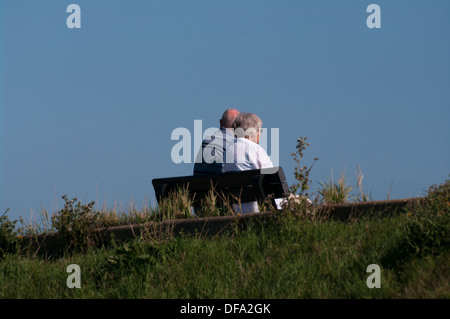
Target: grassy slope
(292,258)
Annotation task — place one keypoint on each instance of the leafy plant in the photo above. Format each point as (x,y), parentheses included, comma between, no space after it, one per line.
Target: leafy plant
(9,235)
(301,173)
(428,225)
(129,256)
(76,225)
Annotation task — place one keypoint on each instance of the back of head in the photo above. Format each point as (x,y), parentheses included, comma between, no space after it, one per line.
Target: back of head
(247,125)
(228,118)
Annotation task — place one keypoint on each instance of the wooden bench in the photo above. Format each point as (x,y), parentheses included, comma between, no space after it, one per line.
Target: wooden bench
(234,187)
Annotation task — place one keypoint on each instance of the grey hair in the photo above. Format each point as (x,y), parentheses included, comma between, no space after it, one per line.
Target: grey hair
(247,124)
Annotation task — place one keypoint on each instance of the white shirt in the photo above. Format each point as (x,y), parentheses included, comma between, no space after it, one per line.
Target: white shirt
(246,155)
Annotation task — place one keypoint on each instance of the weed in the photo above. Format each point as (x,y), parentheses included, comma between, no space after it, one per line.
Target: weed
(214,204)
(130,256)
(428,225)
(341,192)
(361,197)
(301,173)
(9,235)
(298,200)
(424,229)
(333,193)
(176,205)
(76,225)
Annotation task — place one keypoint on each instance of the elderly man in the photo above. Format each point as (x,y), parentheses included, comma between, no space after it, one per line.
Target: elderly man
(213,149)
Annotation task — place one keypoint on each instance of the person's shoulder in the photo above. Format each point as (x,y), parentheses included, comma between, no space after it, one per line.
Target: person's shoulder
(250,145)
(213,136)
(246,141)
(218,132)
(256,146)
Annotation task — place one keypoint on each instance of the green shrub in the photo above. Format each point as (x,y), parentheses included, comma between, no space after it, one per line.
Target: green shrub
(76,225)
(9,236)
(428,224)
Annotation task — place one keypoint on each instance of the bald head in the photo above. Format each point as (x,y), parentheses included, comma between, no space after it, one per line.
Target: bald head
(228,118)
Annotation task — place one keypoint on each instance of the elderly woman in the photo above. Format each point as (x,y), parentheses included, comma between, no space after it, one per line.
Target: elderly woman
(246,153)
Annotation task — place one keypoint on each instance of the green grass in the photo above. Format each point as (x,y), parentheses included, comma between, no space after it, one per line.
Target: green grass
(293,257)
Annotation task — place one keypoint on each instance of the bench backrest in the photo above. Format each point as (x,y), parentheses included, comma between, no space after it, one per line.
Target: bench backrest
(243,186)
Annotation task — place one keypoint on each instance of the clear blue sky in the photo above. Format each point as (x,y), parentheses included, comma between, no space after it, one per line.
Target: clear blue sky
(89,112)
